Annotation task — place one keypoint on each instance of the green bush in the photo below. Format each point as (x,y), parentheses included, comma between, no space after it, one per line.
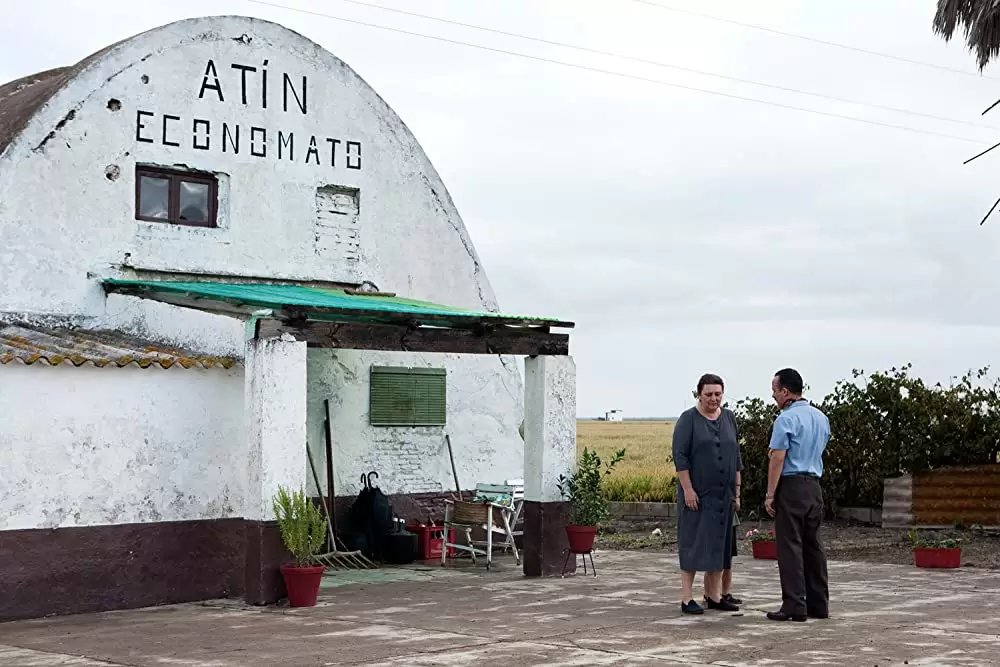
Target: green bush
(583,488)
(302,525)
(882,425)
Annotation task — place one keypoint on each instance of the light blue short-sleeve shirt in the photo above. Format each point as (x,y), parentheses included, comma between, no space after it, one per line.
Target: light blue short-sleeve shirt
(802,432)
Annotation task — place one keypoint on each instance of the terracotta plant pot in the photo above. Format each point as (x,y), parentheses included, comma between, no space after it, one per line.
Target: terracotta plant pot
(937,557)
(765,549)
(581,538)
(302,584)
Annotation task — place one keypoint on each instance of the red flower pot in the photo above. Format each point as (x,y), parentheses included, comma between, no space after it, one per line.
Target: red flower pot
(581,538)
(937,557)
(302,584)
(765,549)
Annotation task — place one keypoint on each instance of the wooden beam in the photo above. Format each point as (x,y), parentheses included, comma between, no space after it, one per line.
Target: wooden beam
(387,337)
(184,300)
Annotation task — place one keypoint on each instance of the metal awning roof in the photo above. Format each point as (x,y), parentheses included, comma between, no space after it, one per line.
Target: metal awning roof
(298,302)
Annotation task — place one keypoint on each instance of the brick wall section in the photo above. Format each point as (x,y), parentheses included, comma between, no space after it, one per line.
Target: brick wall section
(412,506)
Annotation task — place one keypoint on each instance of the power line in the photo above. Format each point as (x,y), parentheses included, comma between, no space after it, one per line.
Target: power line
(656,63)
(815,40)
(618,74)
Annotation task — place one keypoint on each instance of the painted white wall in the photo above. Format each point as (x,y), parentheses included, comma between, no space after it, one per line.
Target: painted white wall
(82,148)
(549,425)
(91,446)
(275,399)
(480,416)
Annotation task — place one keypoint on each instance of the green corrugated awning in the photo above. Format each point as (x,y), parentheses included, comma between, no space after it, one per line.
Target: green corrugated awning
(289,301)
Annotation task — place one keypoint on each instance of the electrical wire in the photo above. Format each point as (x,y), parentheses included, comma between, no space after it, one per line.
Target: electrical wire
(618,74)
(681,68)
(815,40)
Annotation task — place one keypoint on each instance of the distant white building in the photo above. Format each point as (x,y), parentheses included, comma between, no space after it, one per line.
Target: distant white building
(614,416)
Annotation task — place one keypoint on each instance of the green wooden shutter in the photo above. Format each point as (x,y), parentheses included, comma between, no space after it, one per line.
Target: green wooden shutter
(402,396)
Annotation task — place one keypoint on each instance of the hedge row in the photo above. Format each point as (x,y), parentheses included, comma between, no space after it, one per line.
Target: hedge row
(883,424)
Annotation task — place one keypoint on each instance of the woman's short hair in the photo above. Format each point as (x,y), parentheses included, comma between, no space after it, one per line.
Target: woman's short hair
(710,378)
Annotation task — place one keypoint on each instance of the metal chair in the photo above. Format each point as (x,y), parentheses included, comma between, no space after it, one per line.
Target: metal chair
(491,510)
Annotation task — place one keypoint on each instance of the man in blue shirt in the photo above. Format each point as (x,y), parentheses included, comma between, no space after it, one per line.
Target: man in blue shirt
(795,500)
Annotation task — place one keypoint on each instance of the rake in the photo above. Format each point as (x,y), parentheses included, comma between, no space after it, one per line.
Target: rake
(336,559)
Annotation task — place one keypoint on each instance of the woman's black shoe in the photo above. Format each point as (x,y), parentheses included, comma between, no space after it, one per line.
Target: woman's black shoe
(721,605)
(728,597)
(692,607)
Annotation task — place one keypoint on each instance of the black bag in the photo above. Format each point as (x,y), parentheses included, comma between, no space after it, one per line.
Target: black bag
(372,517)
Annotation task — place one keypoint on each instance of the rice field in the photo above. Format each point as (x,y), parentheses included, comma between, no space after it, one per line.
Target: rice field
(646,474)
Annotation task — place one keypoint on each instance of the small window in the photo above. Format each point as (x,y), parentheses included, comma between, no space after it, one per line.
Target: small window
(407,396)
(176,197)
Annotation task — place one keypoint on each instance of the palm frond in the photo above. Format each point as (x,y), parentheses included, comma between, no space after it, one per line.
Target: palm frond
(979,20)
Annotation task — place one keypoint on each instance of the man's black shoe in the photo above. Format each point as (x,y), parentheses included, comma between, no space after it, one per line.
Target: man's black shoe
(692,607)
(721,605)
(728,597)
(815,615)
(782,616)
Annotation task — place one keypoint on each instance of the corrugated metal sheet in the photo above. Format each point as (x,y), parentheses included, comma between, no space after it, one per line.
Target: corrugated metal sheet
(31,344)
(277,297)
(970,494)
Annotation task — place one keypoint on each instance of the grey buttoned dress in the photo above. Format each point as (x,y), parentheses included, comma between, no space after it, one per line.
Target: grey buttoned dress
(709,450)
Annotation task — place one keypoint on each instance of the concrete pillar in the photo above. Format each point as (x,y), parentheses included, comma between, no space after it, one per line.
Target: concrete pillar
(275,409)
(549,451)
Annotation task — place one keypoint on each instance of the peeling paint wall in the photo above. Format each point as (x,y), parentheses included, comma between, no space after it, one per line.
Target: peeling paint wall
(177,96)
(481,414)
(549,426)
(275,397)
(92,446)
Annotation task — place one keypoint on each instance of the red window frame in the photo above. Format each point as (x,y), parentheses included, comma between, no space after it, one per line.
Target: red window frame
(175,176)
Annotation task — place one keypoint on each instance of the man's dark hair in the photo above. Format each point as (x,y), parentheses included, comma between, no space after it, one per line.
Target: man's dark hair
(709,378)
(789,378)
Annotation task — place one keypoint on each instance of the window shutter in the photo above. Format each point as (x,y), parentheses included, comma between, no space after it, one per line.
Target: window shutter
(402,396)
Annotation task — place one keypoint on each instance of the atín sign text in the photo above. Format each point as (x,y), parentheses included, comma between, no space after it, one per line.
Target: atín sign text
(259,142)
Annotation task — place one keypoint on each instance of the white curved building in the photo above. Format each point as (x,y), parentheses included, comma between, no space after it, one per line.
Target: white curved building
(181,215)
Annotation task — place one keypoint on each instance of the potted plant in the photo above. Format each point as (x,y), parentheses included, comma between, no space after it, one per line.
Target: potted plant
(583,491)
(935,553)
(303,530)
(763,544)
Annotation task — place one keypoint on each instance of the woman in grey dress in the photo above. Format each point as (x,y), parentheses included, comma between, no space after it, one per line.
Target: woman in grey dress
(708,464)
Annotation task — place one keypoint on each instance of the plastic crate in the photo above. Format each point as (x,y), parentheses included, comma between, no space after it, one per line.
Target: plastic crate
(431,541)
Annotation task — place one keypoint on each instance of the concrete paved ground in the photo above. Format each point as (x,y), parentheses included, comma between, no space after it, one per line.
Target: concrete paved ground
(883,615)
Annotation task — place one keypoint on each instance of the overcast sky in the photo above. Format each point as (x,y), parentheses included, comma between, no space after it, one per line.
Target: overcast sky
(683,232)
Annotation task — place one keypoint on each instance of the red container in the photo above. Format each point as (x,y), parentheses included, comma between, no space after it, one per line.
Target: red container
(765,549)
(581,538)
(431,541)
(302,584)
(937,557)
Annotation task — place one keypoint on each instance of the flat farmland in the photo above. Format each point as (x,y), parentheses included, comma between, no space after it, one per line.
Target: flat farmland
(646,474)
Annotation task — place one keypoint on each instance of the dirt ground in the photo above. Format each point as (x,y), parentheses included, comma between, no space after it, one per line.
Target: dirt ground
(843,540)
